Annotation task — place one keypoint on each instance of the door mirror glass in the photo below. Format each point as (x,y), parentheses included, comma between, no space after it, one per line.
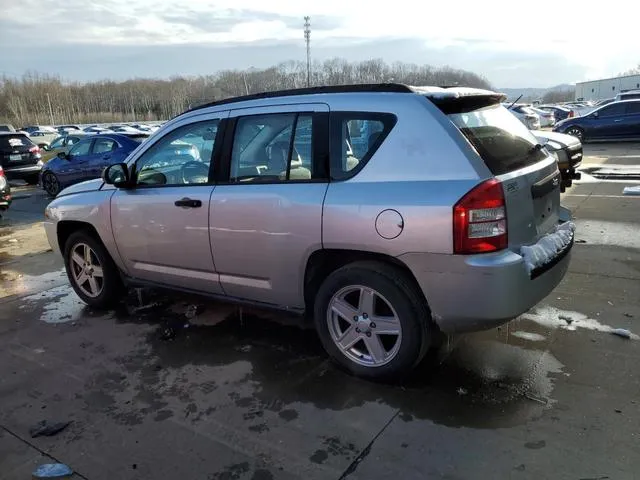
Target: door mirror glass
(62,155)
(116,175)
(44,147)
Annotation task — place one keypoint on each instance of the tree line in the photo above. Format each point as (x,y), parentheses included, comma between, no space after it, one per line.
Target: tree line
(38,98)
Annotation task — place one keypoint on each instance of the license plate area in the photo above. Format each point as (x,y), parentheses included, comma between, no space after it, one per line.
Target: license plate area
(15,157)
(546,202)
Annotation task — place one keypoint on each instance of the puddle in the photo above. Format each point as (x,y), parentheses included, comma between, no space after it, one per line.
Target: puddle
(15,283)
(57,305)
(552,317)
(479,382)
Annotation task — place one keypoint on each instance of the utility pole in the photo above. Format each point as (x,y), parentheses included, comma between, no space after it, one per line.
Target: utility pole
(50,110)
(307,39)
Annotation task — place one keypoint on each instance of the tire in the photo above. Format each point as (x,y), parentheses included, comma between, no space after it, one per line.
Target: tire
(96,293)
(396,297)
(51,184)
(575,132)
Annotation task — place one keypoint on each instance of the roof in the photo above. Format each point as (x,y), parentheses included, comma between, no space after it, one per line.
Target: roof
(436,93)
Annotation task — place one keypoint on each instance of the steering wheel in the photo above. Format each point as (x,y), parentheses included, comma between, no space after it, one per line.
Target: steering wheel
(195,172)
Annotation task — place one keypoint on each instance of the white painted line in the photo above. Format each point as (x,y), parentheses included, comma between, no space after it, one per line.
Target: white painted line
(598,196)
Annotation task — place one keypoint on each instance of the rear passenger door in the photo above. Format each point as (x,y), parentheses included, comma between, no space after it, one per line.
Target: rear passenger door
(633,119)
(266,212)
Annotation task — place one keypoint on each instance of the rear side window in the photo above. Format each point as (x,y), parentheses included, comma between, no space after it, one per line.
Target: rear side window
(355,137)
(612,110)
(633,107)
(8,142)
(503,142)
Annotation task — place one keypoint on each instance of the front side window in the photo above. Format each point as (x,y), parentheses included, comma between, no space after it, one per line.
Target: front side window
(612,110)
(57,143)
(181,157)
(104,145)
(355,136)
(82,148)
(272,148)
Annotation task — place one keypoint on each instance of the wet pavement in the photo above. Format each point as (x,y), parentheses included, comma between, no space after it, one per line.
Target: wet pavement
(162,389)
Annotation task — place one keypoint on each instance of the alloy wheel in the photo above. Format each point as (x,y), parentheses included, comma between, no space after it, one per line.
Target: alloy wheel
(364,326)
(86,270)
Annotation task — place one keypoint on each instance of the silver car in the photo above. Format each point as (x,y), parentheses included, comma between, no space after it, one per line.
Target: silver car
(386,212)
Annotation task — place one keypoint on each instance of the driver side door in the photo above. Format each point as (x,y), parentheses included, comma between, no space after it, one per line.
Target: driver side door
(73,168)
(161,225)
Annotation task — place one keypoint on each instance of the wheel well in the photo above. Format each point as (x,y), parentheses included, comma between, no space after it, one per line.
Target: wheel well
(67,227)
(322,263)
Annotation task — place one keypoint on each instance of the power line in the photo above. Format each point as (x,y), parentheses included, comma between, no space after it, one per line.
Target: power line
(307,39)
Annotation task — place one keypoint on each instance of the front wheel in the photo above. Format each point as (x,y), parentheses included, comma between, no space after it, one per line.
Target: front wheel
(51,184)
(372,321)
(575,132)
(91,271)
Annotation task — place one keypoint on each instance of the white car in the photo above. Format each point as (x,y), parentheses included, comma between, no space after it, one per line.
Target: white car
(547,118)
(527,116)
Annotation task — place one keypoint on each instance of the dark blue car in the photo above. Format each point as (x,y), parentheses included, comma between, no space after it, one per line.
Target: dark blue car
(87,159)
(615,121)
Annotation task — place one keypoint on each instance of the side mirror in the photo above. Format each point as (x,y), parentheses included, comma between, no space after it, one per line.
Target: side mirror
(62,155)
(44,146)
(116,175)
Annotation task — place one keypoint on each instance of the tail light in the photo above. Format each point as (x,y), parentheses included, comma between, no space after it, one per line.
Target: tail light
(571,114)
(480,220)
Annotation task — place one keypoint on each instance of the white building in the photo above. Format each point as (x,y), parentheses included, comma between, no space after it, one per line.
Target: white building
(606,88)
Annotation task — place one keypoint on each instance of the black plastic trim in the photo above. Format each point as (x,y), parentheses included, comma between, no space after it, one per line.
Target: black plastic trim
(536,272)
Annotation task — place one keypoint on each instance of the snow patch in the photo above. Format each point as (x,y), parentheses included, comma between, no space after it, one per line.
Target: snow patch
(552,317)
(548,246)
(532,337)
(61,304)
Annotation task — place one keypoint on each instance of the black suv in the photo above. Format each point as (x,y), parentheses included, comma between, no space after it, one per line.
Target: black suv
(19,157)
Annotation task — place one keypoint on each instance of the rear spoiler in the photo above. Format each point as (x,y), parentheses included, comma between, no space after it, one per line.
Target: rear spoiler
(460,99)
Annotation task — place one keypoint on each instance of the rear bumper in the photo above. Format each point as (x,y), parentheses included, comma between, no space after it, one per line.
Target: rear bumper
(19,173)
(478,292)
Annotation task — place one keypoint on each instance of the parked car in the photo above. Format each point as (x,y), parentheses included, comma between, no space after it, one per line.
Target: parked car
(7,127)
(568,152)
(559,112)
(547,118)
(5,193)
(96,129)
(381,246)
(62,143)
(629,95)
(64,129)
(580,109)
(606,101)
(615,121)
(19,157)
(38,128)
(86,159)
(527,116)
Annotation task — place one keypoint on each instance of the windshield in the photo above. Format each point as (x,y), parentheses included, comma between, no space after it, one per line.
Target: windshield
(503,142)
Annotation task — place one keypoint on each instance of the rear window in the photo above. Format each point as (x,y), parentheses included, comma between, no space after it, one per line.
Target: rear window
(8,142)
(503,142)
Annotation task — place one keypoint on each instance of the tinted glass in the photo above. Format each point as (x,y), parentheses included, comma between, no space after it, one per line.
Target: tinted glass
(612,110)
(9,142)
(633,107)
(181,157)
(503,142)
(355,137)
(272,148)
(104,145)
(57,143)
(82,148)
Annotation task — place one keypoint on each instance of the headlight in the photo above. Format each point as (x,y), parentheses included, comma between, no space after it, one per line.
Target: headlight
(40,163)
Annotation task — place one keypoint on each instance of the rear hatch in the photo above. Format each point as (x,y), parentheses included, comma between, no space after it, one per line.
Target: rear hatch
(529,176)
(17,150)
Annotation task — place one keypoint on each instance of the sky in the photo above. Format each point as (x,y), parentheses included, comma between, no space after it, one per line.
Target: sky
(512,43)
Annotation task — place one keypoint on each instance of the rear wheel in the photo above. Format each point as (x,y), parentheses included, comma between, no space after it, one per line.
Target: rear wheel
(51,184)
(372,321)
(575,132)
(91,271)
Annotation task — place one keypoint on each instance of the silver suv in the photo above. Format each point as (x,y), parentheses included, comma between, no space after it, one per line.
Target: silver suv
(385,211)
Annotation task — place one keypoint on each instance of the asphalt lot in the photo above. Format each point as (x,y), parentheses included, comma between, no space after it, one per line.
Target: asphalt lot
(241,394)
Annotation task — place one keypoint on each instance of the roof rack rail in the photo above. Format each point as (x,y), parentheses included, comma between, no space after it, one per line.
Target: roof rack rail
(356,88)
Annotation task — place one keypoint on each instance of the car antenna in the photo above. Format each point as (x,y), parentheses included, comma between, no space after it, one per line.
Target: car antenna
(514,102)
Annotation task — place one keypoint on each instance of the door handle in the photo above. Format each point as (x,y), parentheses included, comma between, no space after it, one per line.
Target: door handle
(106,157)
(188,203)
(617,120)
